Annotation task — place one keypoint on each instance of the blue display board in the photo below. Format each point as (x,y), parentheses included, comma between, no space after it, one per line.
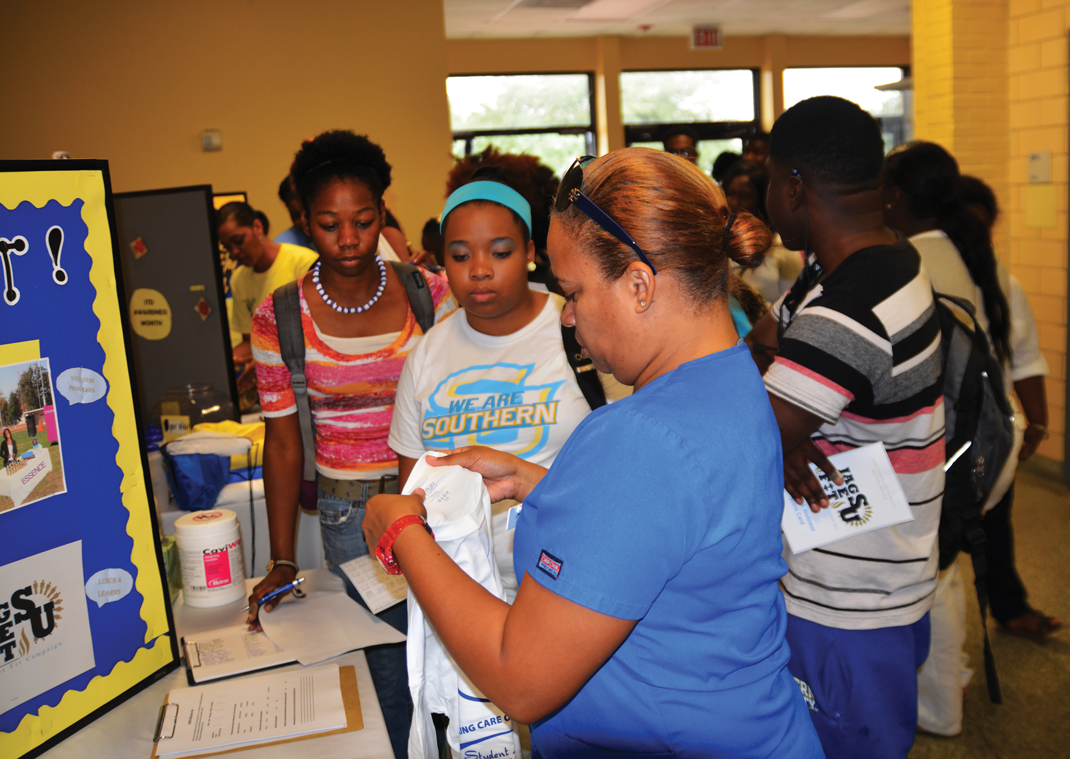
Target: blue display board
(84,614)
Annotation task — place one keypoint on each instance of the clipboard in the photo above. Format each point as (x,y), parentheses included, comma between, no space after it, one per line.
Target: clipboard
(347,677)
(191,665)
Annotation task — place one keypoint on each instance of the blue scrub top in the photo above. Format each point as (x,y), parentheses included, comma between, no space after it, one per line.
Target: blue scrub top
(665,508)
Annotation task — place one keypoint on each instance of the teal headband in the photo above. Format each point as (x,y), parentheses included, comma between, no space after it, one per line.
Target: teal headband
(496,192)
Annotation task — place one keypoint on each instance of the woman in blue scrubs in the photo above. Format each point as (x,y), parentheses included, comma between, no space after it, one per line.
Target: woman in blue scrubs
(649,619)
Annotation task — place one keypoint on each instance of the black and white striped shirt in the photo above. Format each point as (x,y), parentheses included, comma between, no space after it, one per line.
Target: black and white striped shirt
(862,352)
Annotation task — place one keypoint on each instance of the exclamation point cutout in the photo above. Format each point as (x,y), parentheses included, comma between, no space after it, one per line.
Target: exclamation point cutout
(54,238)
(18,246)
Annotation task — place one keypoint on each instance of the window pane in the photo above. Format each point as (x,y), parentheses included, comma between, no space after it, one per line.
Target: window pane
(458,149)
(653,97)
(518,102)
(557,151)
(708,150)
(854,84)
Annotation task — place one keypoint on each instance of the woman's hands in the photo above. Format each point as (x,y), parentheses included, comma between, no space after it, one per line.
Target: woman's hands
(505,475)
(279,576)
(383,510)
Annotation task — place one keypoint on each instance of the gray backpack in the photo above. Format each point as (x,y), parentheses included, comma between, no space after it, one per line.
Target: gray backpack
(979,439)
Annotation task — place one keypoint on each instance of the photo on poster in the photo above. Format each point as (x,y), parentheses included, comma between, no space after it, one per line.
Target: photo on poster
(45,638)
(30,455)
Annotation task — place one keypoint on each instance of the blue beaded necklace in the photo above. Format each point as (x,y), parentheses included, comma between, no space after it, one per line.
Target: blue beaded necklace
(357,309)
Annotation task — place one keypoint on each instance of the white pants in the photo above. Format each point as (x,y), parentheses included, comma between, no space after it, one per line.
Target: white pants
(944,674)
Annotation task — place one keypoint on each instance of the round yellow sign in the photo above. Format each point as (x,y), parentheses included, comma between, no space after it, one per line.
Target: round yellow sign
(150,314)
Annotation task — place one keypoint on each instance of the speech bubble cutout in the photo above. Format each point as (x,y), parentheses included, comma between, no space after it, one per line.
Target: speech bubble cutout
(109,585)
(81,385)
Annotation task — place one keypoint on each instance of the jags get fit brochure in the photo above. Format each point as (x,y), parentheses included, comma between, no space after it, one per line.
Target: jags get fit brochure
(870,498)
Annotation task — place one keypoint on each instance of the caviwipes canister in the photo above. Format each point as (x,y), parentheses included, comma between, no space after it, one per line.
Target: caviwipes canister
(210,552)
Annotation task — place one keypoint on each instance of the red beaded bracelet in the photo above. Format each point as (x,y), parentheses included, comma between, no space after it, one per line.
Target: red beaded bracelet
(384,550)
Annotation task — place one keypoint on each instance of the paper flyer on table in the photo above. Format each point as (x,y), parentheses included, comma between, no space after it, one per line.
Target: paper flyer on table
(870,498)
(324,626)
(378,589)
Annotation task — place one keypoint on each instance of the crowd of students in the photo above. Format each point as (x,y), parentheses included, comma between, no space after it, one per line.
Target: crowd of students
(651,607)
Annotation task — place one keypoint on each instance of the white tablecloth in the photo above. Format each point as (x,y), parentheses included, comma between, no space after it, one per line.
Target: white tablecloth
(20,483)
(126,731)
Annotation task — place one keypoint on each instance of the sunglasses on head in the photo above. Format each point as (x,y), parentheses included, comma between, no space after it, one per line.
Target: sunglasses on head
(684,152)
(569,193)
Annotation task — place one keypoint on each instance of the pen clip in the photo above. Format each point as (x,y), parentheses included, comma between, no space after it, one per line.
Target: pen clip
(159,725)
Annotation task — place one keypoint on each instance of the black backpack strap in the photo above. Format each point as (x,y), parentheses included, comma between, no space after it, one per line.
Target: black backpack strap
(583,368)
(287,302)
(975,535)
(418,293)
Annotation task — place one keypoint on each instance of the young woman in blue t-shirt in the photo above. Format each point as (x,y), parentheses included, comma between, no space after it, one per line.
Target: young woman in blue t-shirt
(649,619)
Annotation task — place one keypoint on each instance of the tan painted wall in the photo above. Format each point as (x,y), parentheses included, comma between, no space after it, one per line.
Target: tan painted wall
(136,82)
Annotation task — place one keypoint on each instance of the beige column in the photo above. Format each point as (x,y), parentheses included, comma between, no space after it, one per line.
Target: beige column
(609,128)
(774,55)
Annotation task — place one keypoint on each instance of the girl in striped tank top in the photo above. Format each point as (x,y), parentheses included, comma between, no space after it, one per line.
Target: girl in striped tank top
(358,328)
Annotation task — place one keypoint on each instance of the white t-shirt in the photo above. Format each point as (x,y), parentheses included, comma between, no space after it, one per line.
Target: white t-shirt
(516,393)
(950,276)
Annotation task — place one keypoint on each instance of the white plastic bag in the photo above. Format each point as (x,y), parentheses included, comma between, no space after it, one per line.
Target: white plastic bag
(458,510)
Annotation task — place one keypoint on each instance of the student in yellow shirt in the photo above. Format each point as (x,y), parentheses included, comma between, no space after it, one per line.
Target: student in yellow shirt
(265,266)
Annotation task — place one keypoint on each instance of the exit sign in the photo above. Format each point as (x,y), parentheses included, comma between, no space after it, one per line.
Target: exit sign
(706,38)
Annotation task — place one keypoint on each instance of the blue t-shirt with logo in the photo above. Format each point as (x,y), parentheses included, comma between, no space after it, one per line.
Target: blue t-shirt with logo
(665,508)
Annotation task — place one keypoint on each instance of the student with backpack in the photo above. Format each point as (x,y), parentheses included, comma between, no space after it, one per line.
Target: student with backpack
(357,323)
(855,358)
(496,374)
(922,199)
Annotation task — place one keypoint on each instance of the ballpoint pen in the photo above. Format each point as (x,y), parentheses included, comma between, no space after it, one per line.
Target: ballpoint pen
(278,592)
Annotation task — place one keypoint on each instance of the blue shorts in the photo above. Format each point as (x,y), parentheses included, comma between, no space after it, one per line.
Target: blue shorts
(861,685)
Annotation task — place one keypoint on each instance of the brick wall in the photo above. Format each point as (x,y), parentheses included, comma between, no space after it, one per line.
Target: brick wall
(990,79)
(1038,75)
(960,81)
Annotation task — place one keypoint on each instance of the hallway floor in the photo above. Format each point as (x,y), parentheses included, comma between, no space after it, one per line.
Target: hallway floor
(1034,677)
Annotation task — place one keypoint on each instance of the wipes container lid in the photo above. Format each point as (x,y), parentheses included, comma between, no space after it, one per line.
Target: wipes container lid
(205,524)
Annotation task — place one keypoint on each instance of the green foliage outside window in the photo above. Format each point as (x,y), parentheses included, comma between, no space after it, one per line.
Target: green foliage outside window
(666,97)
(518,102)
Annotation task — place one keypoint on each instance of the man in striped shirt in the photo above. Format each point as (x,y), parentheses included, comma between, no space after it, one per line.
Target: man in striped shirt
(851,357)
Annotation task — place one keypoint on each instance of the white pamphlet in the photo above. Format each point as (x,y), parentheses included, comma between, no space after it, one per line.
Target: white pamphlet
(379,589)
(324,626)
(250,710)
(231,651)
(870,498)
